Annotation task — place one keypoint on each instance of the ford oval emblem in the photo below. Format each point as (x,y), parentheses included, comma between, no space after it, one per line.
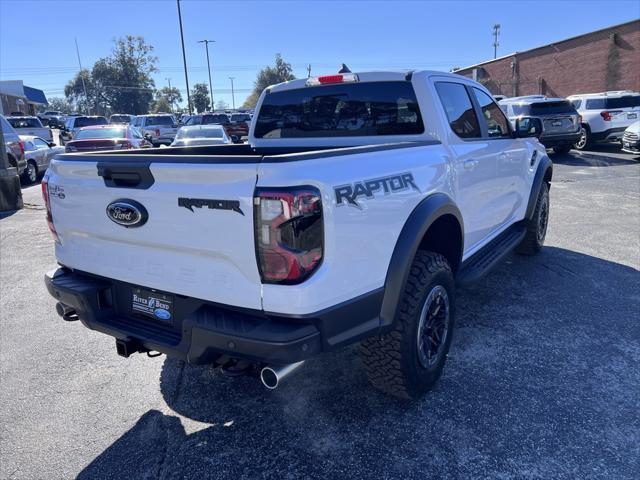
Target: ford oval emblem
(127,213)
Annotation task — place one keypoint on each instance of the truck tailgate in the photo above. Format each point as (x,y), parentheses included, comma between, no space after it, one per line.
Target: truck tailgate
(198,239)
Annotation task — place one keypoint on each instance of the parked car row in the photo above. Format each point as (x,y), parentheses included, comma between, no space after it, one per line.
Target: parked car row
(579,121)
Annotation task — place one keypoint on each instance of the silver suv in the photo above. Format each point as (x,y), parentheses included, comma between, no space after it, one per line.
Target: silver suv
(560,120)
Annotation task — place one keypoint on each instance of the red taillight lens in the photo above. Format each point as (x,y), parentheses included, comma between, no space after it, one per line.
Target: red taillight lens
(21,144)
(608,116)
(288,233)
(157,132)
(47,203)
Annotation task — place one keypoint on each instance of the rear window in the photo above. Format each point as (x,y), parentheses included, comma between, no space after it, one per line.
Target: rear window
(25,122)
(100,133)
(120,118)
(160,120)
(550,108)
(199,133)
(341,110)
(240,117)
(89,121)
(215,119)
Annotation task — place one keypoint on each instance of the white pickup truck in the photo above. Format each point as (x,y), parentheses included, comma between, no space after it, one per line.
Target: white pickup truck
(158,129)
(30,126)
(358,204)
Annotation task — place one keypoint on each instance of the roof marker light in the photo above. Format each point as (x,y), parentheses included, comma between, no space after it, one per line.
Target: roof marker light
(338,78)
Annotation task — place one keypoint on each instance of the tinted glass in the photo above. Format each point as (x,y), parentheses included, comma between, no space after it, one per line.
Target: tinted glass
(25,122)
(459,109)
(100,133)
(550,108)
(341,110)
(89,121)
(160,120)
(215,119)
(40,143)
(200,133)
(595,104)
(497,123)
(240,117)
(195,120)
(119,118)
(623,102)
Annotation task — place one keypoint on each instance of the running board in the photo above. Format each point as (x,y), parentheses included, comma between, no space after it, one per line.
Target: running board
(481,262)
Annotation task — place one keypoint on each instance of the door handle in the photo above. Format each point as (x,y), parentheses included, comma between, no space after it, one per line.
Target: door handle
(470,164)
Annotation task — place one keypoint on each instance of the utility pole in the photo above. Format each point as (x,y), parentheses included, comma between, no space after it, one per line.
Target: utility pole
(184,58)
(206,46)
(233,97)
(168,79)
(84,87)
(496,33)
(308,70)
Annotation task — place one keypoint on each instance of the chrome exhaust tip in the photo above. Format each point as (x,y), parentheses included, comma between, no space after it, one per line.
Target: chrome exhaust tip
(272,376)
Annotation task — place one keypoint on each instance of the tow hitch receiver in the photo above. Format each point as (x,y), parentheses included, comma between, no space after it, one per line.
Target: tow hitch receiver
(126,347)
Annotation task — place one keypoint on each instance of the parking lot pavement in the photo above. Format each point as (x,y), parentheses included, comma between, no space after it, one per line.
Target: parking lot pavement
(542,379)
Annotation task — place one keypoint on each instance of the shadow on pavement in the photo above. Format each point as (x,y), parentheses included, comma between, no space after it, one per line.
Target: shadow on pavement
(523,391)
(598,157)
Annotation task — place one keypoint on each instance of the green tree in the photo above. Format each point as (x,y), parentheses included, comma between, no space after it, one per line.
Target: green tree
(58,104)
(74,91)
(120,82)
(161,104)
(280,72)
(166,99)
(200,97)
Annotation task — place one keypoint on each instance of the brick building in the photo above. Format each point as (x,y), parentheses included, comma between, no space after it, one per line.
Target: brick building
(607,59)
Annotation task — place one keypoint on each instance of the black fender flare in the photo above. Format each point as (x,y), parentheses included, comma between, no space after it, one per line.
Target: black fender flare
(421,218)
(545,165)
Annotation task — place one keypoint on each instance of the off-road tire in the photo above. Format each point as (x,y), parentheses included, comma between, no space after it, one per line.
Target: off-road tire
(392,360)
(533,241)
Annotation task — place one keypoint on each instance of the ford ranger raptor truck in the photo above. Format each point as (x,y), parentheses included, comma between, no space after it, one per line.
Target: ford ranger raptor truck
(359,203)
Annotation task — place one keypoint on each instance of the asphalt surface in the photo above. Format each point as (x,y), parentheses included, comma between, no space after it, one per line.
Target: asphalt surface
(542,379)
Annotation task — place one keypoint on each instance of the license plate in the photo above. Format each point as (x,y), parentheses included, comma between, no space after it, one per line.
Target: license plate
(631,116)
(148,303)
(556,124)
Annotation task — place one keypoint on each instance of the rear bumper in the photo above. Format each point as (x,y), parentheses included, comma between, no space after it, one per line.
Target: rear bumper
(561,139)
(609,135)
(202,331)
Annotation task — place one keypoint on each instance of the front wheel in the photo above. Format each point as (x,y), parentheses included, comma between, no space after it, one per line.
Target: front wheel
(537,225)
(408,361)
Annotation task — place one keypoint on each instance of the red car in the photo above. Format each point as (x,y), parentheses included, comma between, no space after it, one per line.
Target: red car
(106,137)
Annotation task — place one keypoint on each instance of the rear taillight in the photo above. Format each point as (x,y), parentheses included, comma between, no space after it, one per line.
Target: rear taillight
(21,144)
(124,144)
(47,203)
(338,78)
(289,233)
(157,132)
(608,116)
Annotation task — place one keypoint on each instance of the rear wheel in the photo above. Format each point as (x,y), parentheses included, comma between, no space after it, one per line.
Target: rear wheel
(562,149)
(585,139)
(31,173)
(537,225)
(408,361)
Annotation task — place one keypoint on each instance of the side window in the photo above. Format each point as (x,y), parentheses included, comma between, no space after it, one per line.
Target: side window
(459,109)
(576,104)
(497,123)
(40,143)
(595,104)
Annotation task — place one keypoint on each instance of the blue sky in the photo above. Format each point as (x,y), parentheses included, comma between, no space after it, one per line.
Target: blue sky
(37,37)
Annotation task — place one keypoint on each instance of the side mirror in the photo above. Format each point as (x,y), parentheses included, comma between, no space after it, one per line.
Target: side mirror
(51,144)
(235,138)
(528,127)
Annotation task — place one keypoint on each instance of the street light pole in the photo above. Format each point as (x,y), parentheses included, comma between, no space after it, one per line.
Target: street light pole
(184,58)
(206,46)
(233,97)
